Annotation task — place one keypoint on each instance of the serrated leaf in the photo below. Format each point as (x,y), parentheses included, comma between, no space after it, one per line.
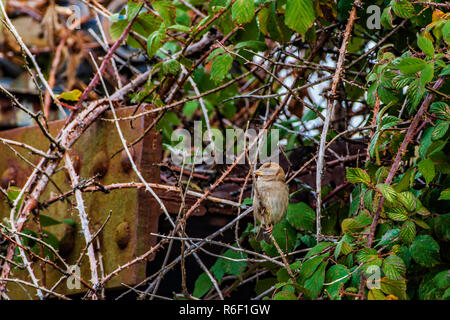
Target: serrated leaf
(441,109)
(166,10)
(388,237)
(408,232)
(301,216)
(318,248)
(350,225)
(315,282)
(310,266)
(357,175)
(171,66)
(376,294)
(367,255)
(215,53)
(394,267)
(334,273)
(300,15)
(220,67)
(425,45)
(408,199)
(425,251)
(403,8)
(388,192)
(427,169)
(397,214)
(421,224)
(440,130)
(389,122)
(410,65)
(396,288)
(243,11)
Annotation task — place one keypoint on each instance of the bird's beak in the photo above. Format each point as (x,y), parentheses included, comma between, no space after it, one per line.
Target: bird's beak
(258,173)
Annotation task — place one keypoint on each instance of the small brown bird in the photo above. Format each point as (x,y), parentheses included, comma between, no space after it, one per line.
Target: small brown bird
(271,198)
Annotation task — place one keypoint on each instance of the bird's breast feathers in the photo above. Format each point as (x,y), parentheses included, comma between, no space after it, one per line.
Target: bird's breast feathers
(274,198)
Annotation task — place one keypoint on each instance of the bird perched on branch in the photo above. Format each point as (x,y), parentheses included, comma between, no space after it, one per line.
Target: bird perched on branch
(271,198)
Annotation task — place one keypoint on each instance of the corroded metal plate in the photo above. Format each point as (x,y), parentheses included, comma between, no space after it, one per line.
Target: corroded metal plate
(134,214)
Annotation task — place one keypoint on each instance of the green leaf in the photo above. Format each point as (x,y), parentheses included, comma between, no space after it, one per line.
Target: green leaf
(318,248)
(243,11)
(253,45)
(388,237)
(285,295)
(408,199)
(394,267)
(73,95)
(441,109)
(397,214)
(171,66)
(404,182)
(389,122)
(388,192)
(190,108)
(233,267)
(357,175)
(376,294)
(425,45)
(154,42)
(387,18)
(408,232)
(220,67)
(285,236)
(48,221)
(411,65)
(215,53)
(310,266)
(334,273)
(315,283)
(394,287)
(425,251)
(445,194)
(350,225)
(427,74)
(299,15)
(427,169)
(301,216)
(202,285)
(367,255)
(180,27)
(403,9)
(440,130)
(425,143)
(166,10)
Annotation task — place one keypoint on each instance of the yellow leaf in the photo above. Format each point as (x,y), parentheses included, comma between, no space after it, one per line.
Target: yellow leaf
(73,95)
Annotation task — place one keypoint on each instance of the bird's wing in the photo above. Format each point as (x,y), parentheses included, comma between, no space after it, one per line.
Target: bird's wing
(265,205)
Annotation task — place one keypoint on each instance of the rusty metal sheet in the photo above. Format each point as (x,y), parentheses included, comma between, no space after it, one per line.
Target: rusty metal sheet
(134,212)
